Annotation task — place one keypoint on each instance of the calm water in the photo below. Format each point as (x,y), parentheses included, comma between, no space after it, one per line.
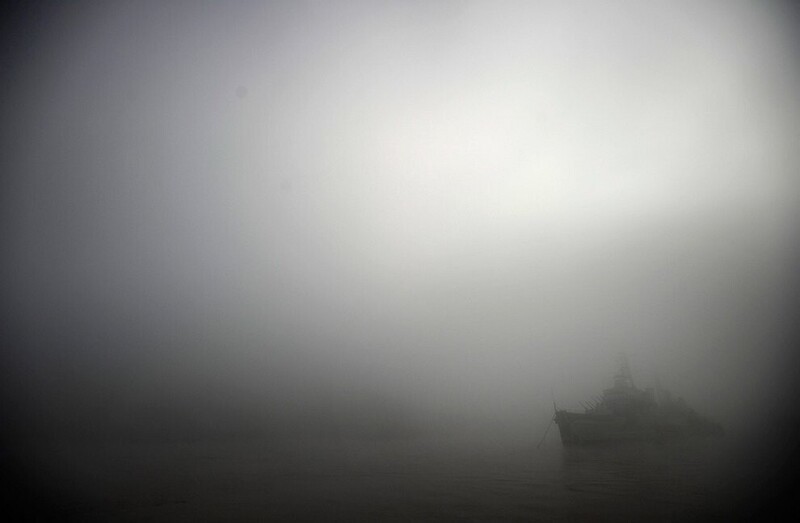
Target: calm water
(426,479)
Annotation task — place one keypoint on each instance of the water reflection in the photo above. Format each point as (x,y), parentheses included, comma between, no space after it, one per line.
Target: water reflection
(675,481)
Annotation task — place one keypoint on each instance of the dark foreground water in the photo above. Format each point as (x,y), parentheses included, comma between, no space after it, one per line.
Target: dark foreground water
(407,480)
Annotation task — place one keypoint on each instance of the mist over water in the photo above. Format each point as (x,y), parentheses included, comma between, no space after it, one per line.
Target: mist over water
(381,225)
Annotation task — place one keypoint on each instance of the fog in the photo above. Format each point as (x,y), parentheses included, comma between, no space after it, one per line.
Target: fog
(388,219)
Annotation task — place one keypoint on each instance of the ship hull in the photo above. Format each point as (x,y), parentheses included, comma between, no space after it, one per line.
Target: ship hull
(591,429)
(588,429)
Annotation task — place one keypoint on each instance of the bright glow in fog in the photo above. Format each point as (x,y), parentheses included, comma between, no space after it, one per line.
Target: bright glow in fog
(458,206)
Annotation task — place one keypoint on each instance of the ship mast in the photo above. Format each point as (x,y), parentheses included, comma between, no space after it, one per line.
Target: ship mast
(623,378)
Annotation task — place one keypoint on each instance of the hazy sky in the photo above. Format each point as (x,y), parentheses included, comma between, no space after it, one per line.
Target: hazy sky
(443,208)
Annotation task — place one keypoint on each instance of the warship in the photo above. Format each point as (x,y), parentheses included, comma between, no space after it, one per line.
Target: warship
(627,413)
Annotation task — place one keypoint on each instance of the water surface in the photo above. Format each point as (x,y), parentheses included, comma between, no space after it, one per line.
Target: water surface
(445,478)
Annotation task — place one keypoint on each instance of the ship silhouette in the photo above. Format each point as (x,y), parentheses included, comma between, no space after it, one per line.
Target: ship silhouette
(627,413)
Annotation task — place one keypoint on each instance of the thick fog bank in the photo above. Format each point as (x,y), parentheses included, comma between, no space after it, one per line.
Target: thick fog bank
(388,220)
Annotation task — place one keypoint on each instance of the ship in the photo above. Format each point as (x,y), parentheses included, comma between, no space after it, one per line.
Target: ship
(625,413)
